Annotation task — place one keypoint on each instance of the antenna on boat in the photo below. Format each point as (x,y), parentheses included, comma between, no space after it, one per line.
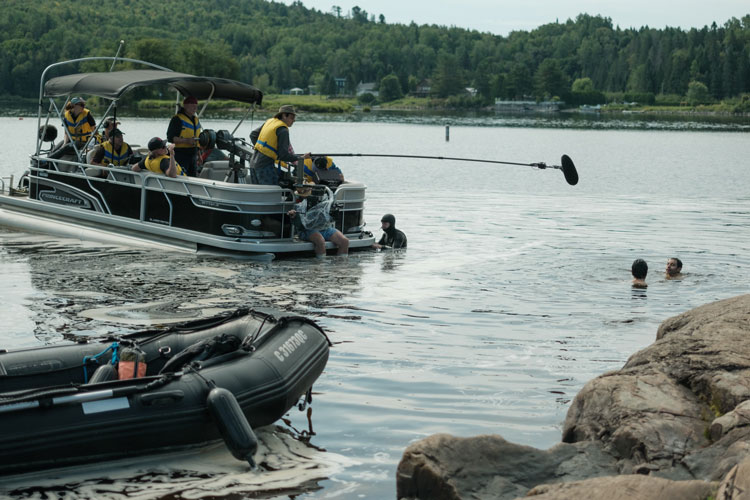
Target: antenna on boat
(122,42)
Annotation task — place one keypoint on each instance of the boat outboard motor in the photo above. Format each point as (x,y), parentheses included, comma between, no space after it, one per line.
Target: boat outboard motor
(233,426)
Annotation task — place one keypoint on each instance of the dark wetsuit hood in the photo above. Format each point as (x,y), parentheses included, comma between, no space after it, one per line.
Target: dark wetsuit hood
(392,220)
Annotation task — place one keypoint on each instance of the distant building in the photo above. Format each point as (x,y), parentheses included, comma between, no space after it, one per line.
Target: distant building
(527,106)
(340,85)
(367,88)
(471,91)
(296,91)
(423,88)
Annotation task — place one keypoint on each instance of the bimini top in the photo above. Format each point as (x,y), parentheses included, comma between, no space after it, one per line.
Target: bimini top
(114,84)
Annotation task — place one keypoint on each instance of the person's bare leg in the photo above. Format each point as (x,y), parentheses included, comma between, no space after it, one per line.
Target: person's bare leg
(341,241)
(319,243)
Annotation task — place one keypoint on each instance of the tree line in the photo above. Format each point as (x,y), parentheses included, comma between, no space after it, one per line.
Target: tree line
(277,47)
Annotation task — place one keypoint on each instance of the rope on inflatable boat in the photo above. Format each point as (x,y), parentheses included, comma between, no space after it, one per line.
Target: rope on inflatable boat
(115,357)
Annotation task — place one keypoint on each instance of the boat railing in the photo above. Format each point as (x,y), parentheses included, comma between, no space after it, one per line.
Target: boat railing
(270,200)
(204,193)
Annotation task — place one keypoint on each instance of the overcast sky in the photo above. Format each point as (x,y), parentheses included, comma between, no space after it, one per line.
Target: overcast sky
(503,16)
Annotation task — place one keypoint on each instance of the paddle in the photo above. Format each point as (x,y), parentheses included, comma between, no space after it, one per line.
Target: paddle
(567,167)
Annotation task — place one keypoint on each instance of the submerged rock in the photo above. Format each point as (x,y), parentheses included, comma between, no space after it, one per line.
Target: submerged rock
(672,423)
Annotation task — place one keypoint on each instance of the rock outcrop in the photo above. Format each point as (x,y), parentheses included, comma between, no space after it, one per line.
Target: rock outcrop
(674,422)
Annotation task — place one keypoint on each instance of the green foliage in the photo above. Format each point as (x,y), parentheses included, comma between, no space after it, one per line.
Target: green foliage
(390,88)
(277,47)
(366,98)
(583,85)
(743,106)
(586,97)
(698,94)
(447,79)
(669,100)
(639,97)
(550,80)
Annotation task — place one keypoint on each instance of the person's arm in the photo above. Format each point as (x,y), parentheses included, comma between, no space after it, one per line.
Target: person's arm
(171,170)
(255,134)
(399,240)
(140,166)
(174,130)
(336,169)
(380,244)
(285,150)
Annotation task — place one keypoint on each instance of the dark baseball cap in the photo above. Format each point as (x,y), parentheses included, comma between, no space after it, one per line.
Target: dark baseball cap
(156,143)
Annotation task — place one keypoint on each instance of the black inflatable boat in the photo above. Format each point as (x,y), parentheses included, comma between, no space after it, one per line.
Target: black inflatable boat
(155,391)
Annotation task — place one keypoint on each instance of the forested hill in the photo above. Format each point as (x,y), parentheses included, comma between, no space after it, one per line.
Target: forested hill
(277,47)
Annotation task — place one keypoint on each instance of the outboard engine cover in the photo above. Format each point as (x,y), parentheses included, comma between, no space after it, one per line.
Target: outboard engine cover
(237,433)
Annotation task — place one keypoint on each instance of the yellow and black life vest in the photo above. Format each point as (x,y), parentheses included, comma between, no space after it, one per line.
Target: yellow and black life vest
(312,175)
(154,164)
(79,127)
(268,141)
(189,129)
(116,158)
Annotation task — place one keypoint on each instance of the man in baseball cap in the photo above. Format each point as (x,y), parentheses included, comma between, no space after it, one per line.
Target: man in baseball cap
(183,131)
(160,159)
(271,143)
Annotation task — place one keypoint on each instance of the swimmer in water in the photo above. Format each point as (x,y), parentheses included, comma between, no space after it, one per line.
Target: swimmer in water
(674,269)
(639,270)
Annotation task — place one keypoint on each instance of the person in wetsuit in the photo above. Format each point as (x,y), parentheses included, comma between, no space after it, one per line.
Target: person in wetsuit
(392,237)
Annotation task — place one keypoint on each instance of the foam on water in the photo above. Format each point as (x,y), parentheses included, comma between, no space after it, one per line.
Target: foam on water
(285,465)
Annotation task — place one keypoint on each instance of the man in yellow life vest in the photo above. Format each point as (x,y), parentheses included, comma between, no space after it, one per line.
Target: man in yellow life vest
(114,151)
(78,120)
(160,159)
(107,128)
(183,131)
(271,143)
(321,169)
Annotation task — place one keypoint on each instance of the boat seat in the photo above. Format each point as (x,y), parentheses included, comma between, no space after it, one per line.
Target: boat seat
(94,172)
(127,176)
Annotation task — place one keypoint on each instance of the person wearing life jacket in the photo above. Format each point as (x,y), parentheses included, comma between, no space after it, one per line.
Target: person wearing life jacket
(160,159)
(322,168)
(107,128)
(392,237)
(183,131)
(78,120)
(271,144)
(113,151)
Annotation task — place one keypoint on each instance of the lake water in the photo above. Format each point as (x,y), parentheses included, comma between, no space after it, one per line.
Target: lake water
(513,293)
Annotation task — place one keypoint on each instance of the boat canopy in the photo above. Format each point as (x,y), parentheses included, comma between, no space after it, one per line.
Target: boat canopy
(112,85)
